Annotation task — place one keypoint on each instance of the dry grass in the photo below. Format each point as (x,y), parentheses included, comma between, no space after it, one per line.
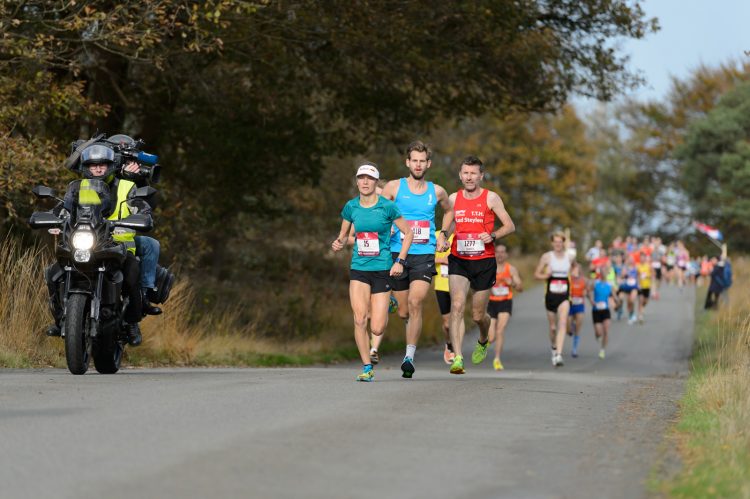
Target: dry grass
(714,426)
(306,323)
(181,337)
(24,313)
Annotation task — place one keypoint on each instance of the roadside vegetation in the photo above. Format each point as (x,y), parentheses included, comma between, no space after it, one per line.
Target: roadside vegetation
(312,324)
(713,429)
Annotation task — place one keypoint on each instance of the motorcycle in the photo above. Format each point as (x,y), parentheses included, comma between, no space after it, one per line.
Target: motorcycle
(89,278)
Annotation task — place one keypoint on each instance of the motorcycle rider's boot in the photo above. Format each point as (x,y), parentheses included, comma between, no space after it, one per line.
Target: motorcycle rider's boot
(148,307)
(134,334)
(53,330)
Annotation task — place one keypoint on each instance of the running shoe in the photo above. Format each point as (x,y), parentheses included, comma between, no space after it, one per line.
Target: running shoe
(601,353)
(457,367)
(558,360)
(392,305)
(374,357)
(640,320)
(619,313)
(367,374)
(554,356)
(631,320)
(448,355)
(498,365)
(480,353)
(574,353)
(407,367)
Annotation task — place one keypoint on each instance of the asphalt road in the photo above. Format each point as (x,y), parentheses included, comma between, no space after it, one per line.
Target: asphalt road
(588,429)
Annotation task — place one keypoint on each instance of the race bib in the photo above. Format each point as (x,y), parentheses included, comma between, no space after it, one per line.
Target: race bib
(656,265)
(443,271)
(601,305)
(368,244)
(421,231)
(577,300)
(645,275)
(631,282)
(558,286)
(500,290)
(469,244)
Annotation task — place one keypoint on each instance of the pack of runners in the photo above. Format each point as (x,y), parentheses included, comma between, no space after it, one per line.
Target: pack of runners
(399,254)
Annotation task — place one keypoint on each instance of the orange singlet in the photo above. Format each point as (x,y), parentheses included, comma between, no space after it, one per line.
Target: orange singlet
(577,287)
(501,291)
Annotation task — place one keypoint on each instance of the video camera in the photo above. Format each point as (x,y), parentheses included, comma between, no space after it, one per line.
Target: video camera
(126,149)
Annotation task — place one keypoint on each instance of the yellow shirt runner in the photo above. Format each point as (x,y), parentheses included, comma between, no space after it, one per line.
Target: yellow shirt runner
(441,279)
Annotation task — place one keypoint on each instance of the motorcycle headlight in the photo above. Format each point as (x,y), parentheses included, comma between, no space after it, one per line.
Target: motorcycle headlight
(82,240)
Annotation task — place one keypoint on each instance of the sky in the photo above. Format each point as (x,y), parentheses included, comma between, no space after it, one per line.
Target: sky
(692,32)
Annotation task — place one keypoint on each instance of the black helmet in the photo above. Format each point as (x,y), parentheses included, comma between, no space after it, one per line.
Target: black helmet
(121,139)
(97,154)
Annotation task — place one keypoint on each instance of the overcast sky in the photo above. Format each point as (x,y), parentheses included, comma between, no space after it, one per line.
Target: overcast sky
(692,32)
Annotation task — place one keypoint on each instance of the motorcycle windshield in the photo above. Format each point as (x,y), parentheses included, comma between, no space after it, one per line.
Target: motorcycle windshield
(91,197)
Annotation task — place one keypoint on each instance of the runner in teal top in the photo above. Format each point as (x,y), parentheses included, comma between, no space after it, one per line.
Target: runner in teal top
(372,265)
(372,227)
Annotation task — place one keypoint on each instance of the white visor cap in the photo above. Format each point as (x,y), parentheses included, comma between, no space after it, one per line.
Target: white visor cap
(368,170)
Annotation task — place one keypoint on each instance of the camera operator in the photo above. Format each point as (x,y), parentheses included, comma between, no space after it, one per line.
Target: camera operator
(97,162)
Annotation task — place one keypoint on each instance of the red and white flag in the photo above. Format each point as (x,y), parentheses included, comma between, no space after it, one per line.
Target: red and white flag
(706,229)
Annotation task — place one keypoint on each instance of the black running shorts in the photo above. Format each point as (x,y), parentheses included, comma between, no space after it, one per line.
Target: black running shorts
(645,292)
(444,301)
(379,280)
(553,301)
(494,308)
(480,273)
(600,315)
(417,268)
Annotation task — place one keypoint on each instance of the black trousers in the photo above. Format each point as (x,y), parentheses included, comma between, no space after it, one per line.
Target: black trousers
(131,288)
(712,299)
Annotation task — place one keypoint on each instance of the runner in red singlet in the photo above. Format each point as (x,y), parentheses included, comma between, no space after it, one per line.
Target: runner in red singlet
(471,263)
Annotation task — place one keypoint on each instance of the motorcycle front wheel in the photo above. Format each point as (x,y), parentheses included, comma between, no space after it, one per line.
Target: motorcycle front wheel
(76,334)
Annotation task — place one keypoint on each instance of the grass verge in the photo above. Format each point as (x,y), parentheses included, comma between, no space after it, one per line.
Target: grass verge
(712,434)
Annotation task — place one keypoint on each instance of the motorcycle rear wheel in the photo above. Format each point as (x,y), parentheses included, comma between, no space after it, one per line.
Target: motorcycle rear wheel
(107,352)
(76,334)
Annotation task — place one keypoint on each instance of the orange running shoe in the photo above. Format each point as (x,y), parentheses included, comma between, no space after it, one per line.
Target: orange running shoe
(448,355)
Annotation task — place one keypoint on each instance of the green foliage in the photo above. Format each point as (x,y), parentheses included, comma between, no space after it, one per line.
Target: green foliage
(255,107)
(651,133)
(716,166)
(541,165)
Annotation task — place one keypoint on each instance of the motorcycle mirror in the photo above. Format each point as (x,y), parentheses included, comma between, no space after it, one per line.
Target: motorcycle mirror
(139,222)
(42,191)
(144,192)
(44,219)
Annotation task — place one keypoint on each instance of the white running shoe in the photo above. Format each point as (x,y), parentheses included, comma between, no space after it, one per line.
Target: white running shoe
(553,357)
(558,360)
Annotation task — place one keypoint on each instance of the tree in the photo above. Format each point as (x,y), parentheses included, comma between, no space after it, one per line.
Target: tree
(541,164)
(654,130)
(715,165)
(242,99)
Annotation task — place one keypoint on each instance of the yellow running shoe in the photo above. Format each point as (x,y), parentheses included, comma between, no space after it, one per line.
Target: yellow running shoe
(602,354)
(480,353)
(498,365)
(367,374)
(458,365)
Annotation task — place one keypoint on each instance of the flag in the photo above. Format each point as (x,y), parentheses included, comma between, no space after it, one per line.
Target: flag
(711,232)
